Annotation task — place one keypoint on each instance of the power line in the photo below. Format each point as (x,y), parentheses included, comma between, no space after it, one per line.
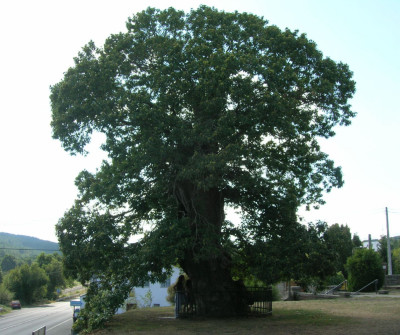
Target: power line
(28,249)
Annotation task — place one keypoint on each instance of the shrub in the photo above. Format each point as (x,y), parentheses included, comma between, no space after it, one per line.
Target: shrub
(364,267)
(5,295)
(27,282)
(147,299)
(335,279)
(276,296)
(396,261)
(171,295)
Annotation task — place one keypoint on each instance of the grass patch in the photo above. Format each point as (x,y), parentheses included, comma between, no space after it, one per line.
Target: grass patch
(142,319)
(4,309)
(308,317)
(341,316)
(162,321)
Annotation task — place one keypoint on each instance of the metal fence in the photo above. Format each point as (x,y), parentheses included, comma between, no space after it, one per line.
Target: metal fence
(259,301)
(185,304)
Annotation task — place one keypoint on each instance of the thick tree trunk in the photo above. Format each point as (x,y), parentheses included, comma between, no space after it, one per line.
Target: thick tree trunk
(205,262)
(214,291)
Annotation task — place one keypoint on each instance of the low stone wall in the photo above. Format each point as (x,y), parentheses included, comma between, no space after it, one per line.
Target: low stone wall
(392,280)
(311,296)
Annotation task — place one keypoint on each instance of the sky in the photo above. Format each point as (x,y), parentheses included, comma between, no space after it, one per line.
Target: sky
(40,38)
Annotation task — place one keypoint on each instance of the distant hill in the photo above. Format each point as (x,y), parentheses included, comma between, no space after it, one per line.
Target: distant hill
(22,246)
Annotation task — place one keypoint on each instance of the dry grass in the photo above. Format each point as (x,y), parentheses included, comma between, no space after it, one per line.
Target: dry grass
(75,291)
(364,315)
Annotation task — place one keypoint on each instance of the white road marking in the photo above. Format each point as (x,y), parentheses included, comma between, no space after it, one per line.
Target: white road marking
(59,324)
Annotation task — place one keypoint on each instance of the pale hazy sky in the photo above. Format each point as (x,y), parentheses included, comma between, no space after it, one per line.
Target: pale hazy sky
(40,38)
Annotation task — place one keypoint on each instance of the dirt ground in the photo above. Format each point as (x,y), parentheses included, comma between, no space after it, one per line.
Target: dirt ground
(356,316)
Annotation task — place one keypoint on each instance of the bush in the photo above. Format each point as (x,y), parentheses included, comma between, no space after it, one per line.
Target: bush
(335,279)
(27,282)
(276,296)
(171,295)
(5,295)
(364,267)
(396,261)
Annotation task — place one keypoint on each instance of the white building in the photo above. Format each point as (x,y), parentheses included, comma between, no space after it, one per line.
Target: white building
(374,244)
(151,295)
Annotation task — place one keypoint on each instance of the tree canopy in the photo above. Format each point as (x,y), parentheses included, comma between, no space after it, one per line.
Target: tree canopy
(200,111)
(34,282)
(8,263)
(27,282)
(338,238)
(295,252)
(364,267)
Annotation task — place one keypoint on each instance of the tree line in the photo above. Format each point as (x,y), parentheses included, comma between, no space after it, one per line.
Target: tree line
(24,248)
(395,252)
(34,281)
(314,256)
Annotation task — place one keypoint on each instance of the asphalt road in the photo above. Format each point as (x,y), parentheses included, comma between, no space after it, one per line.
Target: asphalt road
(57,318)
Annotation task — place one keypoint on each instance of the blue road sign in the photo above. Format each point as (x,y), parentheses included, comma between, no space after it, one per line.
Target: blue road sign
(75,303)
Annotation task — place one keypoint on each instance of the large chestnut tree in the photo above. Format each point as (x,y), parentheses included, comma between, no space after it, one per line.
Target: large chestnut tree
(201,111)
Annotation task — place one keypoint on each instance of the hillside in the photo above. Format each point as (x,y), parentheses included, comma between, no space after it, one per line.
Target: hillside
(22,246)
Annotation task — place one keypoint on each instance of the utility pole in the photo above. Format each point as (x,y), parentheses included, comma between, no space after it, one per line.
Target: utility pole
(389,251)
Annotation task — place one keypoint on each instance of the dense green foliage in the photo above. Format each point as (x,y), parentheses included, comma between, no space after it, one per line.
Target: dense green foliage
(23,261)
(364,267)
(27,282)
(53,266)
(8,263)
(383,247)
(200,111)
(395,252)
(339,241)
(356,241)
(101,305)
(294,252)
(29,271)
(396,261)
(5,295)
(37,281)
(335,279)
(312,256)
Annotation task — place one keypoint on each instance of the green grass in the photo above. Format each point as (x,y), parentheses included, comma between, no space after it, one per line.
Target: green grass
(308,317)
(161,320)
(4,309)
(340,316)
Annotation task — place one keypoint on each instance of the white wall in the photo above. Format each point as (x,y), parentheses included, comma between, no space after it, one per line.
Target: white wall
(375,244)
(158,294)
